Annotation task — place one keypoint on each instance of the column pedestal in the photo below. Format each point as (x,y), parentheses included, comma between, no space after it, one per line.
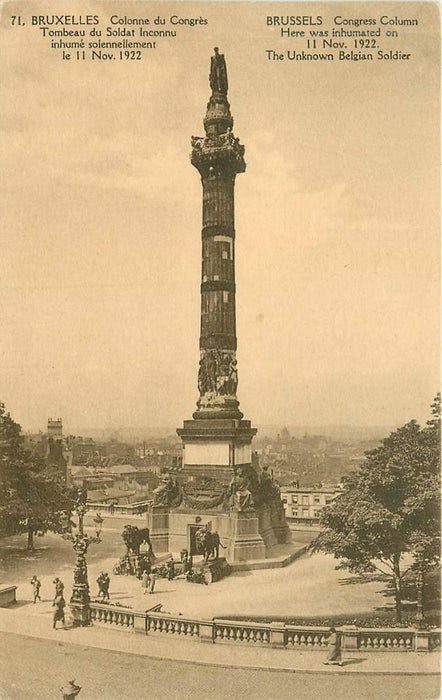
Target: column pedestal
(213,447)
(246,542)
(158,524)
(79,605)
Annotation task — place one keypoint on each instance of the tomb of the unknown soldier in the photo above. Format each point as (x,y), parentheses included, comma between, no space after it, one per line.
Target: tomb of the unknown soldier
(221,488)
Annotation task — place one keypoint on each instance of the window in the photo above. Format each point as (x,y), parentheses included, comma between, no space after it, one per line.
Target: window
(316,499)
(295,512)
(294,499)
(316,513)
(226,297)
(305,499)
(225,254)
(305,512)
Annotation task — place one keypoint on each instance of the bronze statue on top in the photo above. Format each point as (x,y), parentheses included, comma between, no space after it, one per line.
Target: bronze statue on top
(218,73)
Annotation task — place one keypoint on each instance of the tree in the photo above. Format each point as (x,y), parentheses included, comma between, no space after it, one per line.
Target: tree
(389,507)
(33,496)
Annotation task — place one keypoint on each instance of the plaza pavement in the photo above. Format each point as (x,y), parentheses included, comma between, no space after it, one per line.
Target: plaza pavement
(310,586)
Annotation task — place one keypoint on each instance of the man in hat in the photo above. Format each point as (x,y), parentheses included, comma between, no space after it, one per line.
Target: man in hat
(59,586)
(36,585)
(70,690)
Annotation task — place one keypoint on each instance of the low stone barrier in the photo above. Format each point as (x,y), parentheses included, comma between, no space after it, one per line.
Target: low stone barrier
(7,596)
(136,509)
(112,615)
(273,634)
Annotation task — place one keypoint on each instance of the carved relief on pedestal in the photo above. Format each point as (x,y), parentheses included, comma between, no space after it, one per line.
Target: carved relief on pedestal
(242,490)
(217,376)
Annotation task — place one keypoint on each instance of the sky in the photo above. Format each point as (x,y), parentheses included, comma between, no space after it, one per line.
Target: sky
(337,223)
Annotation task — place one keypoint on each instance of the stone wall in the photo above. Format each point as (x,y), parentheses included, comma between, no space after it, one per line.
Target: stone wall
(7,596)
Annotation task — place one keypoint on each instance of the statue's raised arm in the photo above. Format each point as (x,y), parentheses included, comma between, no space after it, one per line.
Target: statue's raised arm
(218,73)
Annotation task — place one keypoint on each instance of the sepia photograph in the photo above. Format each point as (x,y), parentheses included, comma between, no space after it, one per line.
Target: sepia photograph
(220,354)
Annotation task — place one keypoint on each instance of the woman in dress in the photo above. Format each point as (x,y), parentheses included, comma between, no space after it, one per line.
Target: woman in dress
(334,645)
(145,581)
(59,605)
(153,578)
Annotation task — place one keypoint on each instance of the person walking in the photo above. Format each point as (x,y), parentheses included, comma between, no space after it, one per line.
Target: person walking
(59,604)
(153,578)
(145,581)
(36,585)
(170,569)
(100,582)
(334,644)
(147,566)
(106,584)
(59,586)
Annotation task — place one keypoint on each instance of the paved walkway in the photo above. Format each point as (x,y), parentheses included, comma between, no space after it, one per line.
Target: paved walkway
(37,623)
(37,668)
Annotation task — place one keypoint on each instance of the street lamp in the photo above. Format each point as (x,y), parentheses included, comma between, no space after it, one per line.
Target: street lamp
(80,599)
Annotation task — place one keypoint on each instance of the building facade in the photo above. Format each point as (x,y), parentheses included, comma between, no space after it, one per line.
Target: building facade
(303,505)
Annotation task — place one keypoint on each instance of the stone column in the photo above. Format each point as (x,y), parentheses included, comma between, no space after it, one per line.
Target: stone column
(206,631)
(140,622)
(277,635)
(349,638)
(218,157)
(422,640)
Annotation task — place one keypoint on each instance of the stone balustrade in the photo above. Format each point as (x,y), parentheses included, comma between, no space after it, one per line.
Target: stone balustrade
(133,509)
(306,638)
(274,634)
(112,615)
(164,623)
(382,639)
(249,633)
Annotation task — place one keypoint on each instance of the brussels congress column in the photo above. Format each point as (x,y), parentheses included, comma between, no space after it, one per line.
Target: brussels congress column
(217,439)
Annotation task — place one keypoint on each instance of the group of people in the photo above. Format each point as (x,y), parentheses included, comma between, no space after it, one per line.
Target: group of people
(103,585)
(148,577)
(58,603)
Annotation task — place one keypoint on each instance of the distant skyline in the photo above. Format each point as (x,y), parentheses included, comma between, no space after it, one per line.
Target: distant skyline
(345,433)
(337,225)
